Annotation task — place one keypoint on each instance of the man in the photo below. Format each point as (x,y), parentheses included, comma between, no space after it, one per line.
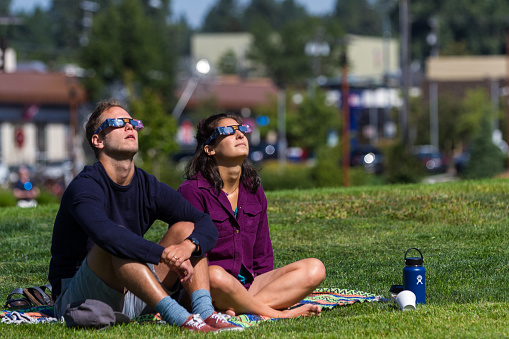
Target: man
(98,250)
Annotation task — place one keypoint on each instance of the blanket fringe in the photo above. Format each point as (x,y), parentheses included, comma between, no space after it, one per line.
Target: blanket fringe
(17,318)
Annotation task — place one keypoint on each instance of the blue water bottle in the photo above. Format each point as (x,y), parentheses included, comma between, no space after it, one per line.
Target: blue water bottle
(414,276)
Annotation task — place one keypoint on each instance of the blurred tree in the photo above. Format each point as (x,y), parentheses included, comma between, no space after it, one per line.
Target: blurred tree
(459,121)
(228,63)
(290,10)
(358,17)
(157,138)
(33,39)
(309,119)
(401,166)
(282,52)
(474,107)
(309,125)
(5,6)
(66,17)
(465,27)
(486,159)
(224,16)
(131,43)
(451,111)
(261,12)
(180,37)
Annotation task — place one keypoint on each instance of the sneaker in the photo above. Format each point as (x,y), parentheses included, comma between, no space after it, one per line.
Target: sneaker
(195,323)
(220,322)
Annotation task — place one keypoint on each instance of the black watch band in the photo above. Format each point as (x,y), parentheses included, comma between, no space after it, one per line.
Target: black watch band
(195,241)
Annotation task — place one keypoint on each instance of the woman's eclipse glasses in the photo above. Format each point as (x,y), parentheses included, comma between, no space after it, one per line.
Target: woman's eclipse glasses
(228,130)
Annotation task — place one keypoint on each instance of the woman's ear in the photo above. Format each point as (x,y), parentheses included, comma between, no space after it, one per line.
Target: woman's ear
(97,141)
(209,150)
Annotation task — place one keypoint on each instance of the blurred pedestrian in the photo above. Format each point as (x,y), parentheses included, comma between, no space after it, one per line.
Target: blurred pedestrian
(25,190)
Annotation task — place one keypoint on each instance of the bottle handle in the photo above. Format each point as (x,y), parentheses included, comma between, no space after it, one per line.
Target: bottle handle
(413,248)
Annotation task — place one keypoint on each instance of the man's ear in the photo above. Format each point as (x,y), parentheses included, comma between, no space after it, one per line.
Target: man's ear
(209,150)
(97,141)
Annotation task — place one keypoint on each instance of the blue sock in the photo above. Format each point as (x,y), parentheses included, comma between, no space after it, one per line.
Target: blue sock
(201,302)
(171,311)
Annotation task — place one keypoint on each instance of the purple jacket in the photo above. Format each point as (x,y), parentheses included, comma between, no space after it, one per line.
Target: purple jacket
(244,240)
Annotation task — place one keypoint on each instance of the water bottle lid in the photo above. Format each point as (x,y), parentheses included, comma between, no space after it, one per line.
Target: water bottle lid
(415,260)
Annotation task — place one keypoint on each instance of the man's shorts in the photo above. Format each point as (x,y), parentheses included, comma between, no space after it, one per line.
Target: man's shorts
(87,285)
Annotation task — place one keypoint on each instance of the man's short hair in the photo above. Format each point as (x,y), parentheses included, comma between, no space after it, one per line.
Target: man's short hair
(94,121)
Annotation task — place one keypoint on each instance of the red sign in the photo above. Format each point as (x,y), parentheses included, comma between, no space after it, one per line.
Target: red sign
(19,135)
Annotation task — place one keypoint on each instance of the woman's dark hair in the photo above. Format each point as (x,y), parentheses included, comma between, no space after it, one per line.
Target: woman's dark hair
(206,165)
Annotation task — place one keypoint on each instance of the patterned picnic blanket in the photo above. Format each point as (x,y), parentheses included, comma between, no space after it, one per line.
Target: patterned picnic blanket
(327,298)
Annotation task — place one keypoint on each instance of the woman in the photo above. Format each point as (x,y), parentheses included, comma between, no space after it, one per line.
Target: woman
(221,182)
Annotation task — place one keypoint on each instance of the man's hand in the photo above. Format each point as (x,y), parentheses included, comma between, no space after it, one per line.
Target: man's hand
(185,271)
(177,259)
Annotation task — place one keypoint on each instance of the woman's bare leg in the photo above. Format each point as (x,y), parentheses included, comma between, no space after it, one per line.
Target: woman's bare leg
(231,297)
(286,286)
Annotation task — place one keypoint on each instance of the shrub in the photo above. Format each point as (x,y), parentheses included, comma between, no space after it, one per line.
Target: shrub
(327,170)
(7,198)
(293,176)
(46,198)
(401,166)
(486,159)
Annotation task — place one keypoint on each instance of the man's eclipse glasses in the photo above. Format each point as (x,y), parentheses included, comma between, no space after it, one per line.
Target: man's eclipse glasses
(120,122)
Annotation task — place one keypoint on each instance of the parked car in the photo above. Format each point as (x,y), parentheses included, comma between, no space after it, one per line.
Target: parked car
(370,157)
(432,159)
(266,151)
(461,162)
(262,152)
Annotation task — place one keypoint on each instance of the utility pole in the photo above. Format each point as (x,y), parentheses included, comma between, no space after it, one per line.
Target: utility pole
(507,86)
(345,110)
(432,40)
(405,69)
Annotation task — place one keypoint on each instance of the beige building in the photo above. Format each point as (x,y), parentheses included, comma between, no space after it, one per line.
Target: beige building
(466,68)
(369,57)
(454,75)
(213,46)
(372,57)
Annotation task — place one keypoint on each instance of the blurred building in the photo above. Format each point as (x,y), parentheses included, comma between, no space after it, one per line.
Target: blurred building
(217,47)
(39,118)
(454,75)
(233,93)
(373,66)
(370,58)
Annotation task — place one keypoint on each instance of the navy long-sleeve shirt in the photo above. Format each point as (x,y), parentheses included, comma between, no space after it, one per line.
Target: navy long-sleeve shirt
(94,209)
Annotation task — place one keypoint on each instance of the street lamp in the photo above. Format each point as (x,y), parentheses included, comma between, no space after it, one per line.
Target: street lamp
(202,68)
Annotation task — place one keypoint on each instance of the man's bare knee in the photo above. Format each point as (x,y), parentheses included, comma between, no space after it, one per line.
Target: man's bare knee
(177,233)
(101,263)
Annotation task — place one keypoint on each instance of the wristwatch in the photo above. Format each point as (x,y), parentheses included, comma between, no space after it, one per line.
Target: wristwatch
(195,241)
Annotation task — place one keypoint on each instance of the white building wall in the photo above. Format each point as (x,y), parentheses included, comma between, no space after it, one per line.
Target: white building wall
(372,56)
(213,46)
(13,154)
(57,142)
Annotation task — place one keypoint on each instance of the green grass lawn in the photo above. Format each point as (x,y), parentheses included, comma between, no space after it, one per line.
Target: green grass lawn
(361,234)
